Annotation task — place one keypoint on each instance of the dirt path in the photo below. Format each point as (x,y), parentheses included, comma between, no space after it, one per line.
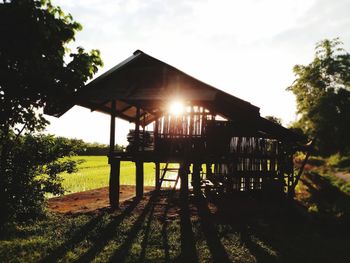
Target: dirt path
(91,200)
(343,175)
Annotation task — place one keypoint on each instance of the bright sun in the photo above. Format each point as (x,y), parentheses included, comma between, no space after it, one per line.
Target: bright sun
(176,108)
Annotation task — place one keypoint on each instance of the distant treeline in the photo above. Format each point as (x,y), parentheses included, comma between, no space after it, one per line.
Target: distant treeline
(80,147)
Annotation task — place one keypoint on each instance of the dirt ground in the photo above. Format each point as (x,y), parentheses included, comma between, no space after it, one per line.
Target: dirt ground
(343,175)
(89,201)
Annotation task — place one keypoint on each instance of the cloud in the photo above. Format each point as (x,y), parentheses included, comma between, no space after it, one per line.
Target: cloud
(245,47)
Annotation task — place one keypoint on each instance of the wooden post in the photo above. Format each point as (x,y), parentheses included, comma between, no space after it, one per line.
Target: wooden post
(155,134)
(143,132)
(184,180)
(196,177)
(112,129)
(157,164)
(114,182)
(137,130)
(139,163)
(139,179)
(209,174)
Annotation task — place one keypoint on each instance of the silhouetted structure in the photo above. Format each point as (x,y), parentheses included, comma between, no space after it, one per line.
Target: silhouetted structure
(241,150)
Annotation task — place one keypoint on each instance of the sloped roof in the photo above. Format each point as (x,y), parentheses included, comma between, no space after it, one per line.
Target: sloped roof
(148,83)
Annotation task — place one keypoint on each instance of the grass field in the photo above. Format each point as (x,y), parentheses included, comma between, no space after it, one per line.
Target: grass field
(314,227)
(94,173)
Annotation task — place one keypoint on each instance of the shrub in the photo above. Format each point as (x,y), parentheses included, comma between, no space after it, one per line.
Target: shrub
(31,170)
(339,161)
(316,161)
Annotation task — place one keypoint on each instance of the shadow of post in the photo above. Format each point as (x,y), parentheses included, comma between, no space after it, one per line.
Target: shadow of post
(121,253)
(146,235)
(256,250)
(165,226)
(216,248)
(77,237)
(106,234)
(188,244)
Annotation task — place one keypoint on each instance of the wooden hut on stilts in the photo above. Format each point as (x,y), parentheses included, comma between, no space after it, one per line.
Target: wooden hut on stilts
(218,141)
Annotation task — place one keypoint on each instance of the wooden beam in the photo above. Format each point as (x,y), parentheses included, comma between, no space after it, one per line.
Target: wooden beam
(301,169)
(106,110)
(125,109)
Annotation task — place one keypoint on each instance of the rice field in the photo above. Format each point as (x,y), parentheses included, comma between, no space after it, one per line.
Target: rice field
(93,173)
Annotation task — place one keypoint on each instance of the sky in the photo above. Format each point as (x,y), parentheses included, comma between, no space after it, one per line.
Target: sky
(245,47)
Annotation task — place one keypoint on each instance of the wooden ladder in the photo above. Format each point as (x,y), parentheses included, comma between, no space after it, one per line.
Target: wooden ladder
(165,179)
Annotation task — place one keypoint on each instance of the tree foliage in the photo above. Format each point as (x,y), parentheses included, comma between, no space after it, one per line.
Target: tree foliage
(33,167)
(37,69)
(33,54)
(81,147)
(322,90)
(274,119)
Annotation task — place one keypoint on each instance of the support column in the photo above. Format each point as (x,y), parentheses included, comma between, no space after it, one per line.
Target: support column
(114,184)
(157,175)
(114,176)
(184,180)
(209,171)
(139,179)
(112,129)
(196,177)
(155,134)
(138,163)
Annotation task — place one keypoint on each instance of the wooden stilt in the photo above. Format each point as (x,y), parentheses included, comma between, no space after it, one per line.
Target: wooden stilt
(114,184)
(209,171)
(114,176)
(139,179)
(196,177)
(157,175)
(138,163)
(184,180)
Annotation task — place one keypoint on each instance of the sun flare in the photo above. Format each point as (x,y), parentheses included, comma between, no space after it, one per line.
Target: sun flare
(176,108)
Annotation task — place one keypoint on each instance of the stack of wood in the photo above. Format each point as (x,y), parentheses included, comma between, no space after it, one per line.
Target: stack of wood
(146,141)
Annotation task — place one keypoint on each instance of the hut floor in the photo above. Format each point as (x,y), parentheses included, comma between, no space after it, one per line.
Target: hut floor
(89,201)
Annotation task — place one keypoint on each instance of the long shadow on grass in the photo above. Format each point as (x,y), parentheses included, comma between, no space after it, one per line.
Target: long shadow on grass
(121,253)
(188,244)
(210,232)
(76,238)
(295,234)
(146,235)
(107,233)
(165,234)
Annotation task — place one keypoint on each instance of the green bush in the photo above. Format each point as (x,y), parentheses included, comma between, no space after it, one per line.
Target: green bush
(344,162)
(316,161)
(30,170)
(339,161)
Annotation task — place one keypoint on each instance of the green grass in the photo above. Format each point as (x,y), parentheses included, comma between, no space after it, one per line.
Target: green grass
(316,229)
(271,232)
(137,233)
(94,173)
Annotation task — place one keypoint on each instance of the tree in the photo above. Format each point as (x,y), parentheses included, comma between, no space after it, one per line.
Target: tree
(322,90)
(36,70)
(33,54)
(274,119)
